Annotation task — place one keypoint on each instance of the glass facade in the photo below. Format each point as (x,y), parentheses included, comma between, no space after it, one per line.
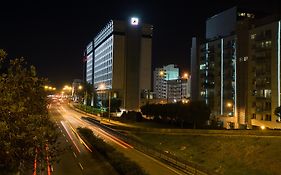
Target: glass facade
(103,61)
(89,63)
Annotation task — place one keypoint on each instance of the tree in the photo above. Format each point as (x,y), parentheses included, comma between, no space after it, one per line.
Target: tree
(115,104)
(277,112)
(26,130)
(88,94)
(199,113)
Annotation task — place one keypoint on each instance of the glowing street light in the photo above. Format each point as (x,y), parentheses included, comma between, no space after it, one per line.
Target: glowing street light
(80,87)
(185,75)
(229,104)
(102,87)
(49,88)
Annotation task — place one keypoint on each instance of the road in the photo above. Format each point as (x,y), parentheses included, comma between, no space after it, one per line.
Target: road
(69,119)
(77,158)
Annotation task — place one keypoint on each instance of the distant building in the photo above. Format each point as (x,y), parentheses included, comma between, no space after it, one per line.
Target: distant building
(122,61)
(89,56)
(239,68)
(168,85)
(179,90)
(169,72)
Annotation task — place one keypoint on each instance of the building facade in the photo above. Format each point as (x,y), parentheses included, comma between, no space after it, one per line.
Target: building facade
(238,68)
(179,90)
(264,74)
(89,60)
(122,60)
(161,76)
(168,86)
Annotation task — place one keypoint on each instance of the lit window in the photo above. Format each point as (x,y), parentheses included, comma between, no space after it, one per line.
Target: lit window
(202,66)
(253,36)
(268,44)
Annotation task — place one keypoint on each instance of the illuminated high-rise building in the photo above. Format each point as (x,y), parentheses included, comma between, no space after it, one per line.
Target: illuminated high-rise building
(237,68)
(122,61)
(88,59)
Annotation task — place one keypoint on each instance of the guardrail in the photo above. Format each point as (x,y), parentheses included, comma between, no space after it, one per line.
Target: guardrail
(183,165)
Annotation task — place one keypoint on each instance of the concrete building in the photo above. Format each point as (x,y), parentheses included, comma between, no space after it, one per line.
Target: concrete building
(168,86)
(160,78)
(264,73)
(122,61)
(229,78)
(179,90)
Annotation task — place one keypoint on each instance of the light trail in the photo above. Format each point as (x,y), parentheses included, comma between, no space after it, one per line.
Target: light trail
(80,139)
(70,136)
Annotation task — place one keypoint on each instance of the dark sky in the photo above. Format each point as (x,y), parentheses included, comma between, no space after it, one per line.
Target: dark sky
(52,34)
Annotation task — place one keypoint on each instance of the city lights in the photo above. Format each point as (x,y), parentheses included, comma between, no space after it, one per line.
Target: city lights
(229,104)
(49,88)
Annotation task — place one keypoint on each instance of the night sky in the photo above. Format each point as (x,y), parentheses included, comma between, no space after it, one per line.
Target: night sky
(53,34)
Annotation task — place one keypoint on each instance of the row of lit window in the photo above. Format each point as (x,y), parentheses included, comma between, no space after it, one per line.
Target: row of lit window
(89,64)
(104,47)
(104,33)
(103,72)
(103,59)
(104,65)
(104,78)
(90,48)
(264,44)
(248,15)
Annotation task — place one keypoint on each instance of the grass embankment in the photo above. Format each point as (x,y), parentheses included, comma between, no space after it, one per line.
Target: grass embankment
(122,164)
(231,153)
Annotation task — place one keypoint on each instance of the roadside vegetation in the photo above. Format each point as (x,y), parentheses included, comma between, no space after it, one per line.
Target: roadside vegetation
(189,115)
(88,109)
(223,152)
(122,164)
(26,131)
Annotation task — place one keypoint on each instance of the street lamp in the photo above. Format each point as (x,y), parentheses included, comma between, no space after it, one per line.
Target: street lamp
(229,104)
(185,75)
(184,95)
(163,73)
(102,87)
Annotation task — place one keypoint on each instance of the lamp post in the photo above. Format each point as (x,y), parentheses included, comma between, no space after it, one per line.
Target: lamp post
(184,97)
(163,73)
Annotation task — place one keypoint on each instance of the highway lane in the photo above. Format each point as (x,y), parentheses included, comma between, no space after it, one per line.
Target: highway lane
(77,158)
(151,165)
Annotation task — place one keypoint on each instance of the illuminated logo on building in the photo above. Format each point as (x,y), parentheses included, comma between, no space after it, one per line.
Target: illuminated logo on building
(134,21)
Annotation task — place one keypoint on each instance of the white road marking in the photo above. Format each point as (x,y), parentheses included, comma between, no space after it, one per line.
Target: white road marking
(80,166)
(74,154)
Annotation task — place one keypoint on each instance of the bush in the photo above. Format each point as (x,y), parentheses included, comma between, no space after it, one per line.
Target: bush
(88,109)
(132,116)
(122,164)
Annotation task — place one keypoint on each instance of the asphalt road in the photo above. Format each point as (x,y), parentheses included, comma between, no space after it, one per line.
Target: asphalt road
(77,159)
(69,119)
